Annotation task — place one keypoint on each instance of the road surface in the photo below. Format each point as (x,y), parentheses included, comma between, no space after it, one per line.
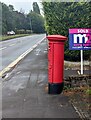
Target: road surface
(24,91)
(12,49)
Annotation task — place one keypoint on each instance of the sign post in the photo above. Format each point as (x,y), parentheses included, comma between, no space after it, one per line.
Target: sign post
(81,62)
(80,39)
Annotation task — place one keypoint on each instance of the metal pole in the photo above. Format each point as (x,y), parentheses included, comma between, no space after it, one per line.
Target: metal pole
(31,24)
(81,62)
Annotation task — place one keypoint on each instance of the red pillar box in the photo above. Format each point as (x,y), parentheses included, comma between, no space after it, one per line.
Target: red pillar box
(56,63)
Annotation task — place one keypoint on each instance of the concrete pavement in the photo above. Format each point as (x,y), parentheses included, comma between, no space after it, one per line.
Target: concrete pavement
(24,91)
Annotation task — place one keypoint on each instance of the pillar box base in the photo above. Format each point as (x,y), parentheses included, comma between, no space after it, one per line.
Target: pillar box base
(55,88)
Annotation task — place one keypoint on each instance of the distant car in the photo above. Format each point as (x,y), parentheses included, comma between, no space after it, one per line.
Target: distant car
(10,33)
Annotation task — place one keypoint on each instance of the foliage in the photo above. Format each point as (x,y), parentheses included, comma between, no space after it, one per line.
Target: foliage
(88,91)
(19,21)
(60,16)
(23,31)
(12,20)
(36,8)
(37,22)
(12,36)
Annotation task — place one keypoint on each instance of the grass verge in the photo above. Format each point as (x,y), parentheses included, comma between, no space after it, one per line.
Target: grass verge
(2,38)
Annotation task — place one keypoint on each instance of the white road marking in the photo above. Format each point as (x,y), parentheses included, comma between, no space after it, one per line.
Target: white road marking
(34,46)
(3,48)
(11,65)
(18,72)
(12,45)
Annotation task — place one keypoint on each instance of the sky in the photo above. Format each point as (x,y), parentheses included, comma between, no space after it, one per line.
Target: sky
(26,5)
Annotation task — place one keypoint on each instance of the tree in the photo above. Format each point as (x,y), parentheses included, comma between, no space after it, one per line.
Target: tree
(22,11)
(5,12)
(60,16)
(11,7)
(19,21)
(13,20)
(37,22)
(36,8)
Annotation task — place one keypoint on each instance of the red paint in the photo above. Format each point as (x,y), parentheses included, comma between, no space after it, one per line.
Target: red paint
(56,58)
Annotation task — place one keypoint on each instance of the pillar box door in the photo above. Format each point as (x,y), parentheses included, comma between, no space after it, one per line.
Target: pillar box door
(55,63)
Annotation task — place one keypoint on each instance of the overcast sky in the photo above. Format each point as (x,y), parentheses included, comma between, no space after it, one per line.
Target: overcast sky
(26,5)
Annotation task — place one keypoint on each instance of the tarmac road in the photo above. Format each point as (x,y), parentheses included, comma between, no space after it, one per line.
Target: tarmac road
(12,49)
(24,91)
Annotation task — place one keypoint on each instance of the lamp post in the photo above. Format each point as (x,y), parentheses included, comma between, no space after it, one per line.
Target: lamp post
(30,24)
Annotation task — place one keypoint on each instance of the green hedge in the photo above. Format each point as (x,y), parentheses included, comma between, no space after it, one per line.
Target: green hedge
(61,16)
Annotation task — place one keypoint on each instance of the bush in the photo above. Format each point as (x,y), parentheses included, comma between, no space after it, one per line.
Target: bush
(28,31)
(22,31)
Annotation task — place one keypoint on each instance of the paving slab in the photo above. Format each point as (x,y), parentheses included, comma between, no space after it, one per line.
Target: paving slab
(24,92)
